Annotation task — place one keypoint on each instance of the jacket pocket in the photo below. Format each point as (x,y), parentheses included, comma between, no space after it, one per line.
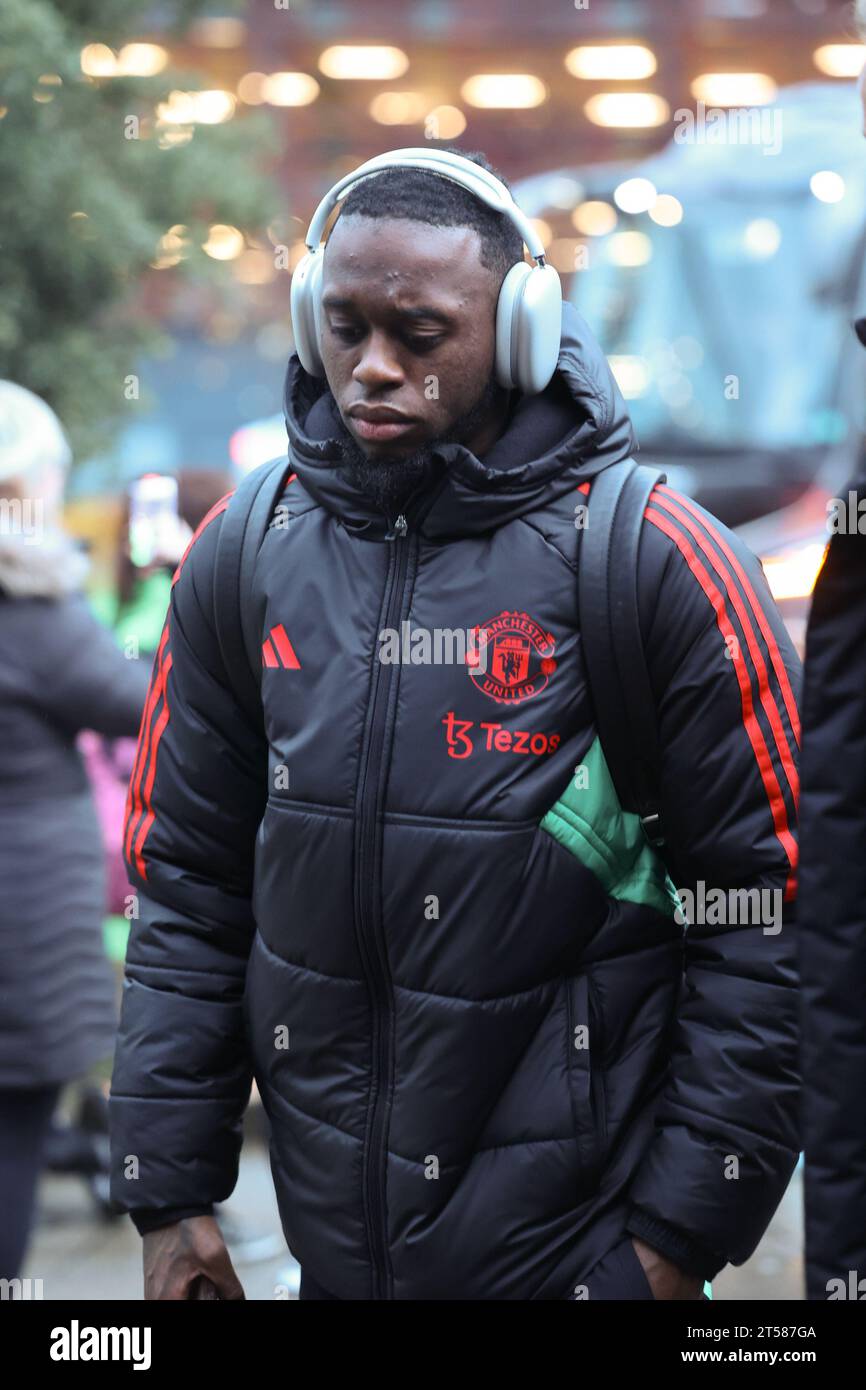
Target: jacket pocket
(586,1077)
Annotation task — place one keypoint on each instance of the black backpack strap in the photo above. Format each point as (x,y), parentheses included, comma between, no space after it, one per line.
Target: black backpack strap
(613,650)
(243,527)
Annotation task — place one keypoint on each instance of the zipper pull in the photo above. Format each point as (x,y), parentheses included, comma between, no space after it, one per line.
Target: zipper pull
(401,525)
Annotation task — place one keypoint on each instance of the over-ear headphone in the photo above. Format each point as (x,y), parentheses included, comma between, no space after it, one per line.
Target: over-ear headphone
(529,311)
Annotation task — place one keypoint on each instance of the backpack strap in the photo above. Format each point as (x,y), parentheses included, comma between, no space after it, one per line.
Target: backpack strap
(244,524)
(612,644)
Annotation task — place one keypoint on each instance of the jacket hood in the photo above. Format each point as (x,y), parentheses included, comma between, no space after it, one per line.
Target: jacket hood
(552,442)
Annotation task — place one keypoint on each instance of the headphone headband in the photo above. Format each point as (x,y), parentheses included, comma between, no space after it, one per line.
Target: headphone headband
(480,182)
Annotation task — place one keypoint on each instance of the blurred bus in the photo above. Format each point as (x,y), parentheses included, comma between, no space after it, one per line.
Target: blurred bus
(722,277)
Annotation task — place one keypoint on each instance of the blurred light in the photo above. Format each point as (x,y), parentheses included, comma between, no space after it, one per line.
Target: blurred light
(688,352)
(635,195)
(734,88)
(629,249)
(190,108)
(632,375)
(363,62)
(224,243)
(827,186)
(173,246)
(840,59)
(255,267)
(562,253)
(444,123)
(542,228)
(177,110)
(676,391)
(98,60)
(214,107)
(290,89)
(564,193)
(398,108)
(594,218)
(167,139)
(221,32)
(627,109)
(141,60)
(763,238)
(793,573)
(667,210)
(51,79)
(258,442)
(621,62)
(251,88)
(514,91)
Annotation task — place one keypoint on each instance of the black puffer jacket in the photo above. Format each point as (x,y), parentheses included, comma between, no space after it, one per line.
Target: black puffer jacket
(832,913)
(452,962)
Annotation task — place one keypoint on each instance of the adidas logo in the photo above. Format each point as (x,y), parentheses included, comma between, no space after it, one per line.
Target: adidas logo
(277,650)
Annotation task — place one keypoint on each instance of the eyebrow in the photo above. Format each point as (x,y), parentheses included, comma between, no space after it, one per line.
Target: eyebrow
(421,311)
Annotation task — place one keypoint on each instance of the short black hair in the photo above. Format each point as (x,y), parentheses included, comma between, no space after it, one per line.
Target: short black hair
(419,196)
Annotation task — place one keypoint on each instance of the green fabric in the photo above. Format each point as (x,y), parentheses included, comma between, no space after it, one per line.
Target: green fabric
(142,619)
(589,821)
(115,934)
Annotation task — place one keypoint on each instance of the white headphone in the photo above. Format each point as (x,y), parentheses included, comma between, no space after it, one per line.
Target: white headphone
(529,312)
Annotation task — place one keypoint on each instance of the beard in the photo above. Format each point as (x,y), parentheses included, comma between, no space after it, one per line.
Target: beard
(390,482)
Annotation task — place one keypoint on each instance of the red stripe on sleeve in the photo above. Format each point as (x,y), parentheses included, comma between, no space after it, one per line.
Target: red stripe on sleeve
(768,702)
(776,800)
(767,632)
(133,799)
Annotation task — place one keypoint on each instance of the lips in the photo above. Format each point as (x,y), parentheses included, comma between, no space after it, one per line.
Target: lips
(379,422)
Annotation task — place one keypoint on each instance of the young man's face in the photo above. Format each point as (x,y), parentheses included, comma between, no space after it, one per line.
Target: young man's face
(408,335)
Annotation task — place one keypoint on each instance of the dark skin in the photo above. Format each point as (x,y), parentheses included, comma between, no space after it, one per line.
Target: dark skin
(402,302)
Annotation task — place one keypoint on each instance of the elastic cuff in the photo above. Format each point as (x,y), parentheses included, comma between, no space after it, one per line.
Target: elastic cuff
(147,1220)
(683,1250)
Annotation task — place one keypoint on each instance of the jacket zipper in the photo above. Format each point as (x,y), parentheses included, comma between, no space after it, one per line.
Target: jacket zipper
(371,930)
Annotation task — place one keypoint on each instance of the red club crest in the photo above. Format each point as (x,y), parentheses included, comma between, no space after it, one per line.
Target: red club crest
(512,658)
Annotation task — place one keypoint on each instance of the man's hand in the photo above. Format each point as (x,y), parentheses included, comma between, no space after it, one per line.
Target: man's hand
(178,1255)
(666,1280)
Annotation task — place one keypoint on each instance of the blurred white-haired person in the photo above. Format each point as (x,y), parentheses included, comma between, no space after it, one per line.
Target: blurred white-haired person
(831,910)
(60,672)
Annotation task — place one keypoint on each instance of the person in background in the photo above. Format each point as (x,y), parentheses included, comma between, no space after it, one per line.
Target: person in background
(60,672)
(832,901)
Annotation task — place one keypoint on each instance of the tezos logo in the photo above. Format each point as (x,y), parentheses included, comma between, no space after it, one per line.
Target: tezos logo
(518,658)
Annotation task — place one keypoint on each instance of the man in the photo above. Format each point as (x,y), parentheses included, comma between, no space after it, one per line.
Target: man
(493,1066)
(832,907)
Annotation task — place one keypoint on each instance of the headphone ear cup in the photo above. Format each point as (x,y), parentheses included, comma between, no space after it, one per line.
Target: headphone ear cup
(306,297)
(528,327)
(509,295)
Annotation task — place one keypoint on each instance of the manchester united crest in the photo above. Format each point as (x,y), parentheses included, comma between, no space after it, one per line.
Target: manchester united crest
(511,658)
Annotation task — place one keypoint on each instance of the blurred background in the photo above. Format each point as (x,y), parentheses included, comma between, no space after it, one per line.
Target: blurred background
(696,170)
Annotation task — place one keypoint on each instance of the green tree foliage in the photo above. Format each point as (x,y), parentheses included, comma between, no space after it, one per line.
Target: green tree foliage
(72,324)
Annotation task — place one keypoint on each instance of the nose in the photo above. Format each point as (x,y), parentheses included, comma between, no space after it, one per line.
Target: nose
(378,366)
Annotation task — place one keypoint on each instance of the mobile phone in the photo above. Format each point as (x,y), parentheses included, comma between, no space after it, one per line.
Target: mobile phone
(152,517)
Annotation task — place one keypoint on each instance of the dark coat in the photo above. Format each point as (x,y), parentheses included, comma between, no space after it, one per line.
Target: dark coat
(453,966)
(832,916)
(60,672)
